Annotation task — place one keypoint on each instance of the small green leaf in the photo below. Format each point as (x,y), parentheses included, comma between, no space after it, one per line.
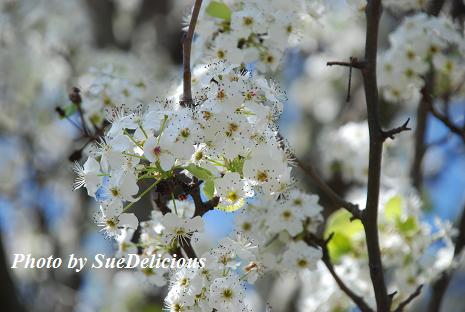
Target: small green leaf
(199,172)
(338,246)
(209,188)
(344,231)
(236,206)
(219,10)
(339,221)
(393,208)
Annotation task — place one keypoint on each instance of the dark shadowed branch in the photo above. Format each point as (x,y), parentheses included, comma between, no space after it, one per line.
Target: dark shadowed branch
(186,56)
(409,299)
(310,171)
(370,218)
(448,123)
(393,132)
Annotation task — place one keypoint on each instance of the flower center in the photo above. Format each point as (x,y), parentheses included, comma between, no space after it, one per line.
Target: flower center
(262,176)
(228,293)
(184,282)
(180,231)
(302,263)
(232,196)
(185,133)
(157,150)
(198,155)
(220,54)
(248,20)
(111,223)
(221,95)
(115,191)
(287,214)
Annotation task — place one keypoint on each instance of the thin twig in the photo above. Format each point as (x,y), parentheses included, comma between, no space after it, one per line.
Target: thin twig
(409,299)
(353,63)
(448,123)
(329,192)
(392,132)
(186,58)
(323,244)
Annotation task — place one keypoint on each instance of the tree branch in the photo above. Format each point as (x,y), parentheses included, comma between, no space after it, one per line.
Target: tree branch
(353,62)
(420,132)
(323,244)
(328,191)
(447,122)
(392,132)
(370,217)
(409,299)
(186,57)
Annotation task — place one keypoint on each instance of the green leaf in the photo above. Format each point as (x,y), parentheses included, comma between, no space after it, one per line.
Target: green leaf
(393,208)
(209,188)
(339,221)
(219,10)
(199,172)
(236,206)
(344,231)
(338,246)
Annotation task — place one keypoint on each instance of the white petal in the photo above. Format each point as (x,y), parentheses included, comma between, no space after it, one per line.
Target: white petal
(128,220)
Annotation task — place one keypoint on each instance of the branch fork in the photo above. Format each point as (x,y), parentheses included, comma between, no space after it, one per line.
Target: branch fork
(393,132)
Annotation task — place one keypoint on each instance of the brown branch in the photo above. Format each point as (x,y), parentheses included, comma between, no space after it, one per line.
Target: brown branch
(353,63)
(186,57)
(409,299)
(435,6)
(448,123)
(416,172)
(370,216)
(328,191)
(393,132)
(323,244)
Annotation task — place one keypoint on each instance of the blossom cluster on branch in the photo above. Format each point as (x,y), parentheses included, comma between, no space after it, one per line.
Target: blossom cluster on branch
(224,151)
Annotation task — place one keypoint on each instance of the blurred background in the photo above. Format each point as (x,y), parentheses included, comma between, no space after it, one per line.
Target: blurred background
(49,46)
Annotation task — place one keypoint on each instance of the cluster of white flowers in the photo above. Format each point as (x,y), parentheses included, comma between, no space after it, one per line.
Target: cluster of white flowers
(108,92)
(229,141)
(220,284)
(419,44)
(245,32)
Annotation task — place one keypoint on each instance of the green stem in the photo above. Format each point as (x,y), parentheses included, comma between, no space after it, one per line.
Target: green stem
(141,195)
